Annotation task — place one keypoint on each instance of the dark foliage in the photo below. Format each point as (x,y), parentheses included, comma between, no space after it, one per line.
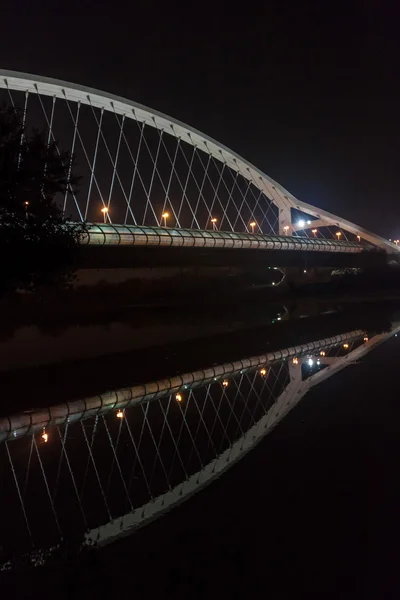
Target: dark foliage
(38,245)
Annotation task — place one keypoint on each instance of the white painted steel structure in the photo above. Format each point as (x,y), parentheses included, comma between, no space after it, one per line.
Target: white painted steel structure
(188,173)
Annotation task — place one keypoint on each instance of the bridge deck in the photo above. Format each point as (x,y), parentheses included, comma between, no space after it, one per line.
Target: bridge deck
(99,234)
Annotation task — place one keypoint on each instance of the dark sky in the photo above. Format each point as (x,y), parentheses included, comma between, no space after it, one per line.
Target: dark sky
(308,91)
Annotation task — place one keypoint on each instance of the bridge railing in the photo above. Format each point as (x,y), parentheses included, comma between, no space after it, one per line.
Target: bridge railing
(135,235)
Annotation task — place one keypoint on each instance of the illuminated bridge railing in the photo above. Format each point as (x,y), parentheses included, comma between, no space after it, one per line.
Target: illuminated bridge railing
(88,471)
(129,235)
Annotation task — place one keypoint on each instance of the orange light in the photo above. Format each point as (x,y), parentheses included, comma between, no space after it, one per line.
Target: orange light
(285,229)
(263,372)
(104,210)
(295,360)
(120,414)
(359,238)
(165,215)
(178,397)
(345,346)
(338,233)
(366,339)
(322,353)
(45,436)
(214,220)
(225,383)
(26,203)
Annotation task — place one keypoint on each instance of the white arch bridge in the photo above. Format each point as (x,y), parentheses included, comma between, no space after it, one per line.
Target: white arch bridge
(165,183)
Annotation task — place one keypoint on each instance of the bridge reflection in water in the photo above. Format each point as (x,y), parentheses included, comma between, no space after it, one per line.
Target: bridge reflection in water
(86,472)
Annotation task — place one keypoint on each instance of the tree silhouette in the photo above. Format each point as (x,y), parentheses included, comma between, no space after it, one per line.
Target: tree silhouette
(37,244)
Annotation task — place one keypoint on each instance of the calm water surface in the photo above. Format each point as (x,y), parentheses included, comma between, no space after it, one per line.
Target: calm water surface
(289,459)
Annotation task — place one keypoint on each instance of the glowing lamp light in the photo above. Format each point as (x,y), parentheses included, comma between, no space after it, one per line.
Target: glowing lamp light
(322,353)
(120,414)
(178,397)
(345,346)
(338,233)
(104,210)
(263,372)
(301,223)
(310,362)
(366,339)
(314,231)
(308,222)
(295,360)
(45,436)
(225,383)
(252,225)
(165,216)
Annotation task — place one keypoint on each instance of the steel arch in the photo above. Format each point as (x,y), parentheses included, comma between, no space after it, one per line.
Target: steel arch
(282,198)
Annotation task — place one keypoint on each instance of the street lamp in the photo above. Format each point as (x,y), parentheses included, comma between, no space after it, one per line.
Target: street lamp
(45,436)
(104,210)
(314,231)
(338,233)
(214,222)
(396,242)
(178,397)
(252,225)
(285,229)
(165,217)
(120,414)
(359,238)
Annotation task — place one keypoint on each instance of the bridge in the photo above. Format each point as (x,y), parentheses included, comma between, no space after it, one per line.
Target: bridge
(88,471)
(158,182)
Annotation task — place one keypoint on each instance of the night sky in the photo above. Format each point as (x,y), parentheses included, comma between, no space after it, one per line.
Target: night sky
(306,91)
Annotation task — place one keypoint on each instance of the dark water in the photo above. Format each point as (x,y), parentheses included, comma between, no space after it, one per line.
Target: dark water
(311,511)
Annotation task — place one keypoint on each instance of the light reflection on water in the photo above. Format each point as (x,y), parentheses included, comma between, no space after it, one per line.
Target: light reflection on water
(104,471)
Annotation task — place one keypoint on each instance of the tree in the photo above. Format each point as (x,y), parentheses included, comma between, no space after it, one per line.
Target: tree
(37,244)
